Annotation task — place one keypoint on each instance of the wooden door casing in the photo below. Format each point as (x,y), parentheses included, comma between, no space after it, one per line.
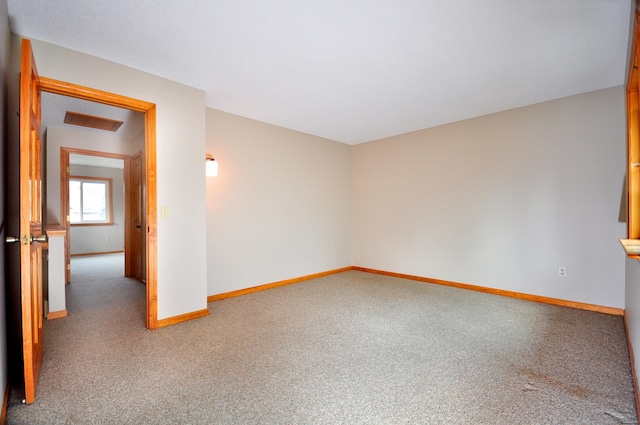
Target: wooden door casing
(65,174)
(149,174)
(137,217)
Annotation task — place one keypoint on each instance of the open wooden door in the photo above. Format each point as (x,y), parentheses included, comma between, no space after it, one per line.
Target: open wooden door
(31,227)
(137,217)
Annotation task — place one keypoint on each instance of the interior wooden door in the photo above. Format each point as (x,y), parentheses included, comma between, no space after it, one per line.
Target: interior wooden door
(137,217)
(65,219)
(31,227)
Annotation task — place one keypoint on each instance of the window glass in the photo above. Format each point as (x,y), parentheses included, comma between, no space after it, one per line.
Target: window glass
(89,200)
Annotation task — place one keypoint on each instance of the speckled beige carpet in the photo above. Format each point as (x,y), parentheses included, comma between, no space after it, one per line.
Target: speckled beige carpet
(352,348)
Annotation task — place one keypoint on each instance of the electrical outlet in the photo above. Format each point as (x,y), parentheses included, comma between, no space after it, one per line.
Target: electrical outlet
(562,271)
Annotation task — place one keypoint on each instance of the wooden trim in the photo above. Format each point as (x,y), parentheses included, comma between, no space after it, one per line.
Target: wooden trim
(56,314)
(73,90)
(87,254)
(633,136)
(149,110)
(633,171)
(131,205)
(631,247)
(218,297)
(88,152)
(633,367)
(182,318)
(512,294)
(64,211)
(55,231)
(65,175)
(5,403)
(149,165)
(91,224)
(632,72)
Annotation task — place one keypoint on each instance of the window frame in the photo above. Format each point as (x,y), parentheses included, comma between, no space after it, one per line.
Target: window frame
(109,200)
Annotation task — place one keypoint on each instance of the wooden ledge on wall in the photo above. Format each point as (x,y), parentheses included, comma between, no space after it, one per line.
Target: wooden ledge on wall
(631,247)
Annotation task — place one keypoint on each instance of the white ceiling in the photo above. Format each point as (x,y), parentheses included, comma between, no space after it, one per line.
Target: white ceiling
(351,70)
(55,106)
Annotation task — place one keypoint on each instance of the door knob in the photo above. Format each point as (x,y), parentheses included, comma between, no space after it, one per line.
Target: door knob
(12,239)
(40,238)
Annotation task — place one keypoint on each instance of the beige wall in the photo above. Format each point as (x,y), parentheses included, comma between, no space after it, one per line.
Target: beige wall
(180,131)
(502,200)
(280,206)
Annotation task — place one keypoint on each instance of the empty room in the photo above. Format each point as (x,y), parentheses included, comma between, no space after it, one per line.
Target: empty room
(423,212)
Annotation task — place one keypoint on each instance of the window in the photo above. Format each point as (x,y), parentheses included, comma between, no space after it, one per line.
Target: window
(90,200)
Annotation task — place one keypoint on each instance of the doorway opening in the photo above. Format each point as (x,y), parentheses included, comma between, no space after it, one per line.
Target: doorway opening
(148,224)
(120,203)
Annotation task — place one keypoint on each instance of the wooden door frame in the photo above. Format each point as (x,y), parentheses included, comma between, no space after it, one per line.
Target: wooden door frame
(65,152)
(149,110)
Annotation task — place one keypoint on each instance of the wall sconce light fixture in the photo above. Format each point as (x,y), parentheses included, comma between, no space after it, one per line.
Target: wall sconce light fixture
(212,166)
